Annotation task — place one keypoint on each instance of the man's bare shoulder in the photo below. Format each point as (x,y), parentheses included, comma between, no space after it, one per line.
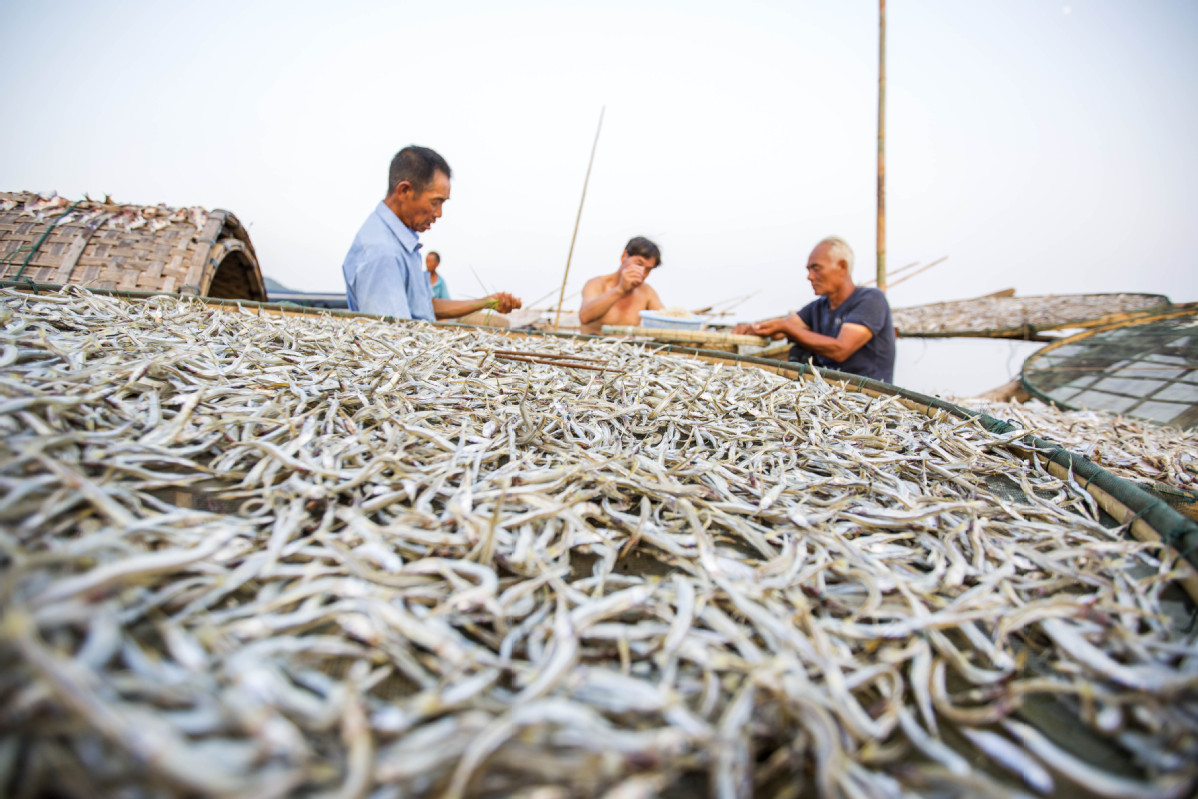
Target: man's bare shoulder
(650,298)
(598,285)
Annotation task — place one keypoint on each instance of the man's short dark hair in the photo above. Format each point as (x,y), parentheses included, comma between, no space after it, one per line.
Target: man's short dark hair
(436,256)
(416,165)
(639,245)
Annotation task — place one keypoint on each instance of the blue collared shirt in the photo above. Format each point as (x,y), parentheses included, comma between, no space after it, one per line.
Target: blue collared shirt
(383,271)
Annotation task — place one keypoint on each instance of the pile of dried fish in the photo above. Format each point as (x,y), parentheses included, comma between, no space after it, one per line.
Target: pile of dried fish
(107,212)
(1130,448)
(1016,313)
(1161,459)
(264,556)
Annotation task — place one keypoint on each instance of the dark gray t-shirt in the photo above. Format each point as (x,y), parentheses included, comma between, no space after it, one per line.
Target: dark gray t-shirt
(865,306)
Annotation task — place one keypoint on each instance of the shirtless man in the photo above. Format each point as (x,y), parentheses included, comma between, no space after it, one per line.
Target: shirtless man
(618,298)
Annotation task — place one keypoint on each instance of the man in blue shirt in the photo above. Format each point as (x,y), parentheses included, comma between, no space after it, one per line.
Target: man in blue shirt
(383,271)
(440,289)
(848,327)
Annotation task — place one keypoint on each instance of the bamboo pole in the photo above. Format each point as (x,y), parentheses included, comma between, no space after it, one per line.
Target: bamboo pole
(882,145)
(562,296)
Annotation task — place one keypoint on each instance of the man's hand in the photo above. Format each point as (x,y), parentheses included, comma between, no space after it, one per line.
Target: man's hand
(771,328)
(503,302)
(631,276)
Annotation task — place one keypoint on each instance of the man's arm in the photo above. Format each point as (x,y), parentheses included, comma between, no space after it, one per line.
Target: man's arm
(851,338)
(501,302)
(379,287)
(596,302)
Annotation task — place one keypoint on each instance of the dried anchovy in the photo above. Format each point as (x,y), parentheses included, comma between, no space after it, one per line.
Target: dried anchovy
(1014,313)
(252,555)
(1130,448)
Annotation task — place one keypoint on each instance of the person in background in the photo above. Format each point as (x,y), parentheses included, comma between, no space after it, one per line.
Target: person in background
(618,298)
(431,262)
(847,327)
(382,270)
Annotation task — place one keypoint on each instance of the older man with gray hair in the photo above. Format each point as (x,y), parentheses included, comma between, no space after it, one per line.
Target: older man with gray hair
(847,327)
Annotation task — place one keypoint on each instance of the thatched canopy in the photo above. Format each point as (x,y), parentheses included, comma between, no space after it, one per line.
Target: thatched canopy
(110,245)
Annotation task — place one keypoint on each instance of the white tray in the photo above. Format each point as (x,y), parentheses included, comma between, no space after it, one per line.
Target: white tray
(653,319)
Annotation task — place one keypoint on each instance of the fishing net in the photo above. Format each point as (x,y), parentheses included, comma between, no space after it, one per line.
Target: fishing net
(1147,370)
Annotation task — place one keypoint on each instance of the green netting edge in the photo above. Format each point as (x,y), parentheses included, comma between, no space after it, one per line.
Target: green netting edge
(1173,528)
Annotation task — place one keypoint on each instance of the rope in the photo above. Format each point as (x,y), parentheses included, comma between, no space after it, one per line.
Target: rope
(1051,456)
(1165,537)
(33,250)
(1189,551)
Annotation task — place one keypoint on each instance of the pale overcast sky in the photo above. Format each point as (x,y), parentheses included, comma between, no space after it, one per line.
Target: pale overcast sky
(1039,145)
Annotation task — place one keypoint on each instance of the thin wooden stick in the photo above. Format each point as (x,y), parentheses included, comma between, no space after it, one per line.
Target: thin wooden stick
(732,303)
(892,274)
(532,353)
(486,291)
(1127,369)
(565,364)
(917,271)
(537,301)
(562,297)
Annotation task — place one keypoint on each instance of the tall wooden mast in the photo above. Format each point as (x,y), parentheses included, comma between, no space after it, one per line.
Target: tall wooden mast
(882,145)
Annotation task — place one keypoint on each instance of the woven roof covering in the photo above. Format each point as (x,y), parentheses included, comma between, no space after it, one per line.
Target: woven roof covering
(111,245)
(1018,317)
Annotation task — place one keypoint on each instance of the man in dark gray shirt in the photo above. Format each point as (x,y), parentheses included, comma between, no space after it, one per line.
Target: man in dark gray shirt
(847,327)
